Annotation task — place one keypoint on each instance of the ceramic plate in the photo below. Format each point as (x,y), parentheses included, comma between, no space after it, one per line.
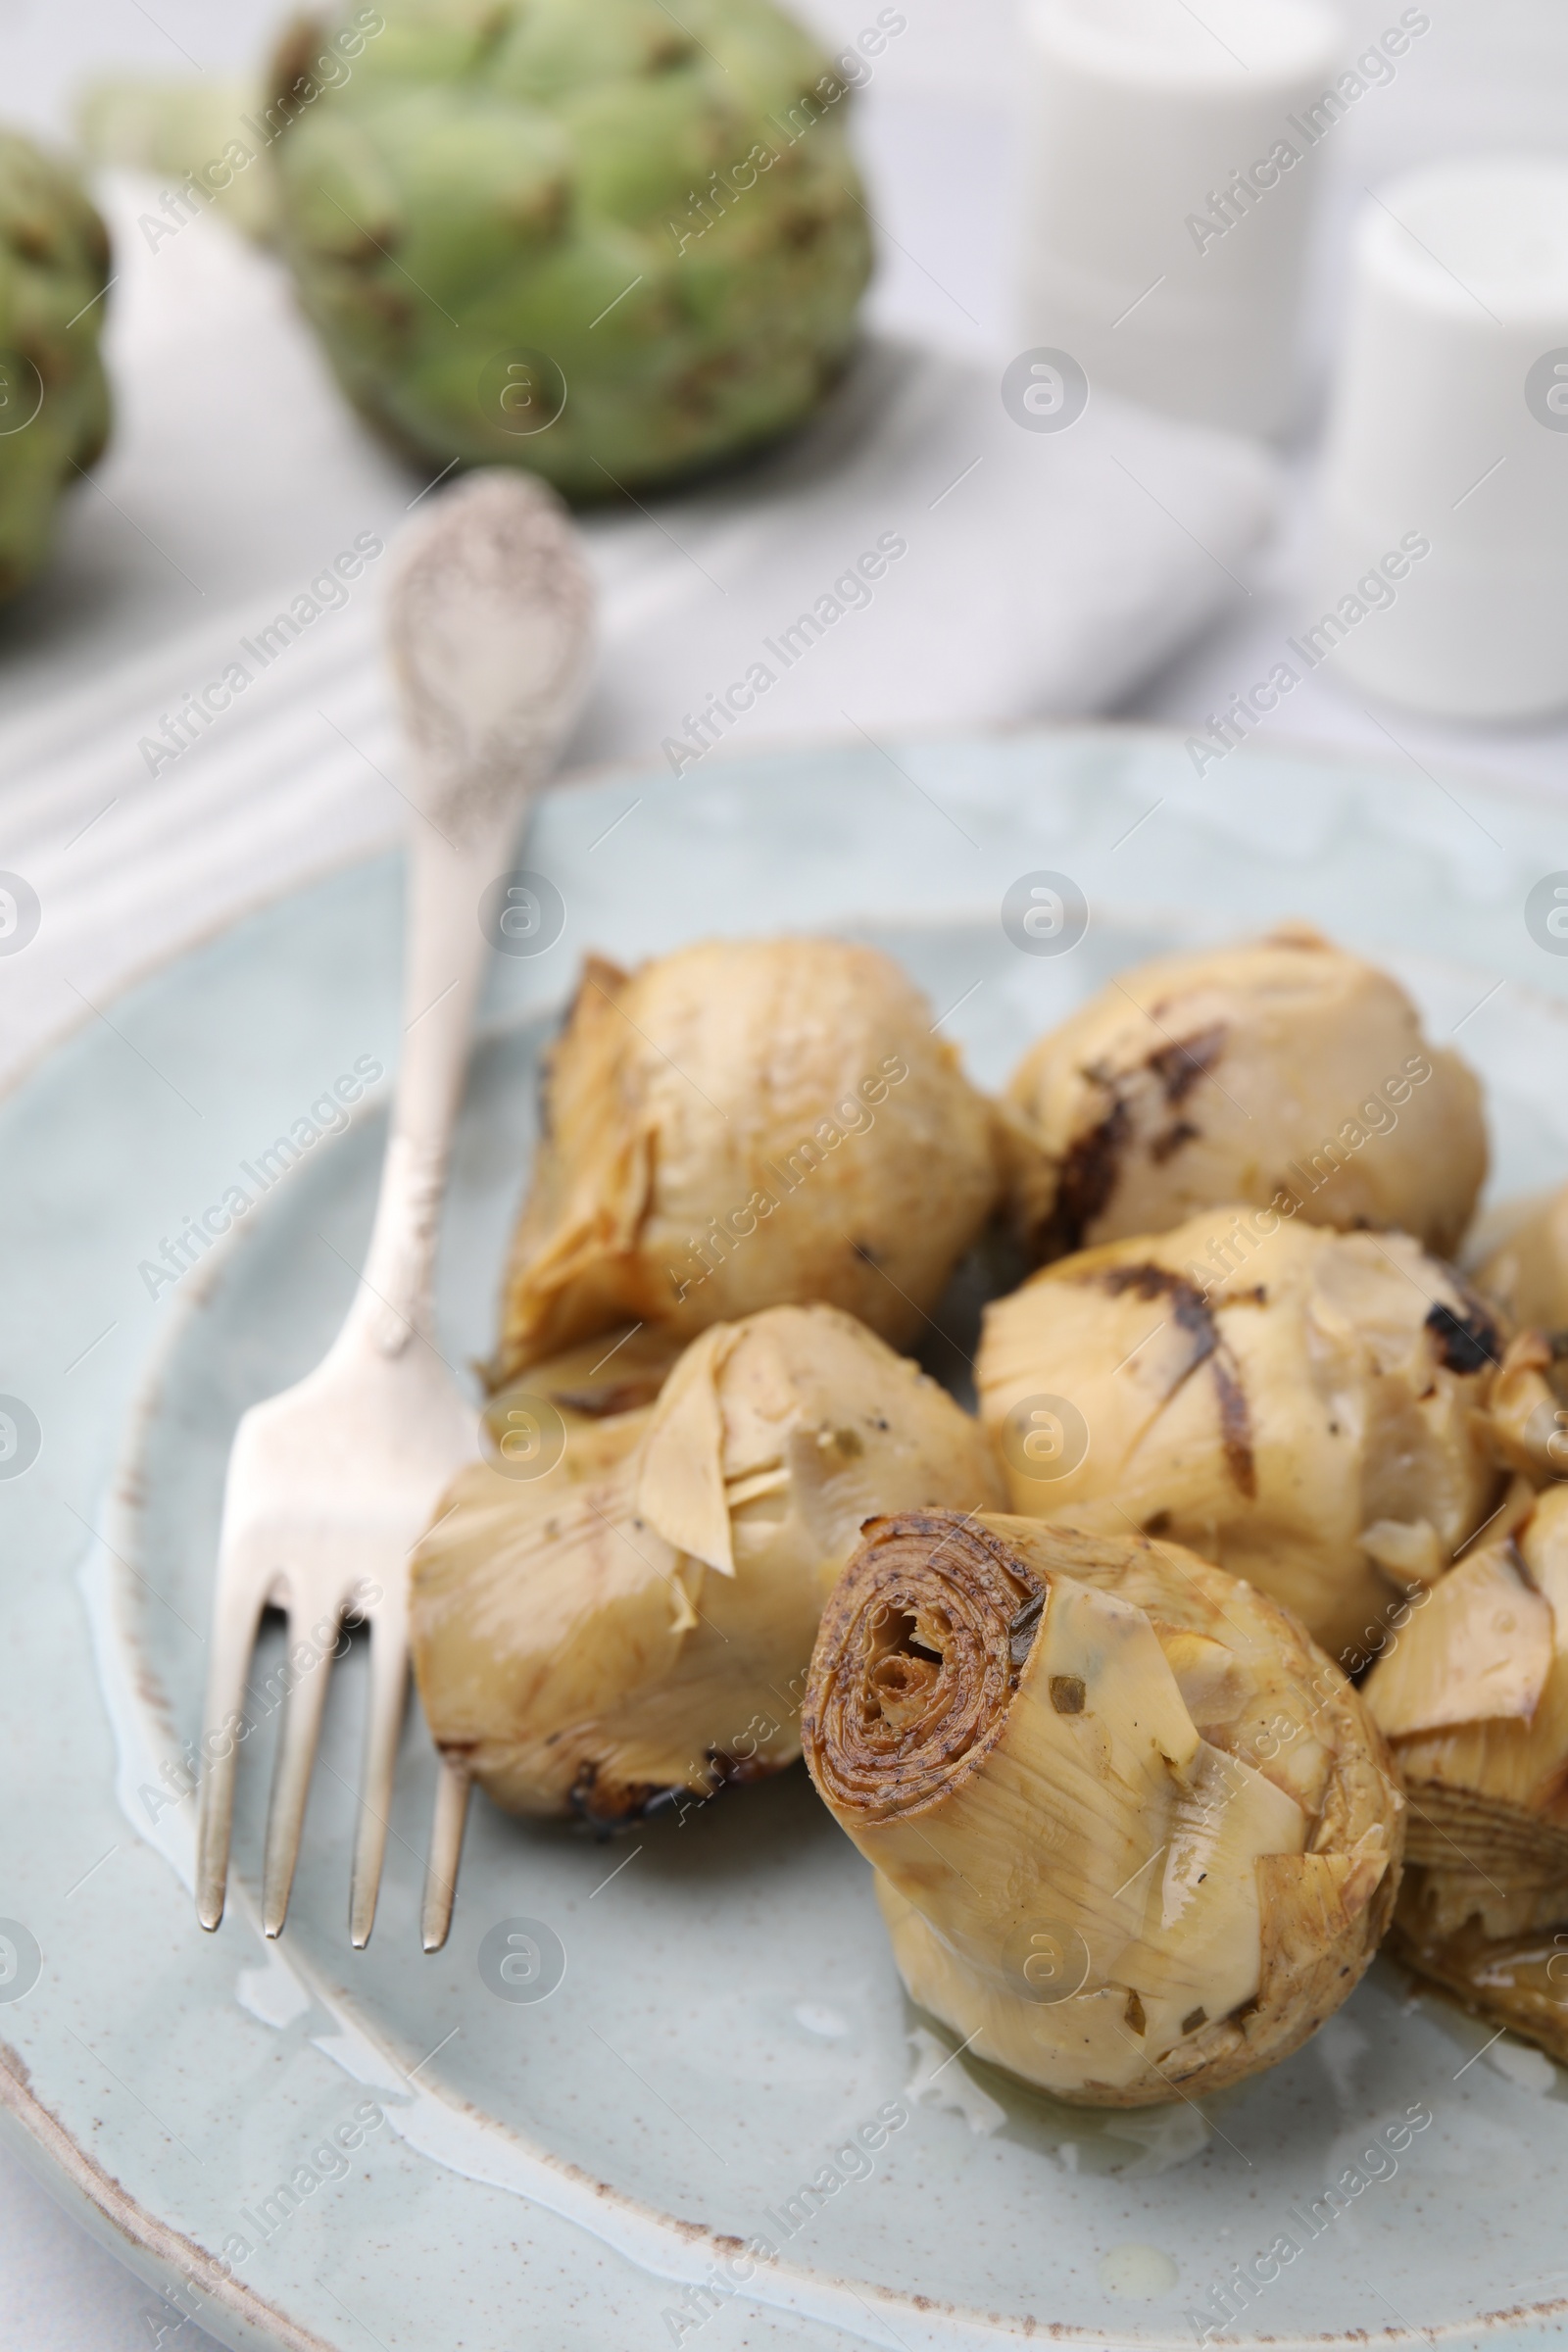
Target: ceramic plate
(298,2146)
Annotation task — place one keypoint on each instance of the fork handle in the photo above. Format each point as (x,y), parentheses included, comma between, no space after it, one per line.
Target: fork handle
(445,957)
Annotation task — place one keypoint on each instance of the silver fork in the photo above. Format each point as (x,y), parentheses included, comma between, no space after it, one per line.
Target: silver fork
(330,1484)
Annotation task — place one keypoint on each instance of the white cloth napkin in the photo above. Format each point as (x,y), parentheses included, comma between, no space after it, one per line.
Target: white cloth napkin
(916,560)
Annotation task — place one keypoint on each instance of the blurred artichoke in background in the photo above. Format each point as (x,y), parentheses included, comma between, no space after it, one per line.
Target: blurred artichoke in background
(600,239)
(192,129)
(54,399)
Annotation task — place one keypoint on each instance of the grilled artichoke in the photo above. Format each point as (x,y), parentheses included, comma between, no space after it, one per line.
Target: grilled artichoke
(1282,1070)
(1303,1407)
(742,1124)
(604,239)
(637,1622)
(1527,1273)
(54,398)
(1134,1836)
(1473,1696)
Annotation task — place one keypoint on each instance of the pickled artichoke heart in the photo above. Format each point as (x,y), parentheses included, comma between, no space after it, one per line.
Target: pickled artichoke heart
(1135,1838)
(54,399)
(1527,1272)
(638,1622)
(742,1124)
(1284,1069)
(605,239)
(1473,1695)
(1310,1418)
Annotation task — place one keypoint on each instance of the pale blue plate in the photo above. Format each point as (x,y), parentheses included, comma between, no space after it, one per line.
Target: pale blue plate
(560,2175)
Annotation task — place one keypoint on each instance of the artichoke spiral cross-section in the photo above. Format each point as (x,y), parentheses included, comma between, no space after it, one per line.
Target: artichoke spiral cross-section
(1134,1836)
(1306,1408)
(635,1622)
(745,1124)
(1277,1068)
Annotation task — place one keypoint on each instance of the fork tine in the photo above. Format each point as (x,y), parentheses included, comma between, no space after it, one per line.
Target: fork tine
(384,1728)
(291,1782)
(233,1639)
(446,1850)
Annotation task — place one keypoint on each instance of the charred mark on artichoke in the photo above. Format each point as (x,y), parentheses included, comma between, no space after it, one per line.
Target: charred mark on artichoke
(1133,2017)
(1191,1310)
(1023,1629)
(1185,1060)
(1087,1181)
(1171,1140)
(1093,1162)
(1068,1694)
(1235,1427)
(1193,2019)
(1465,1343)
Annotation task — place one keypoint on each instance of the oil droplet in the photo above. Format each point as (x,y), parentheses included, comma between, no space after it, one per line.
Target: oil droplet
(818,2018)
(1530,2069)
(1138,2271)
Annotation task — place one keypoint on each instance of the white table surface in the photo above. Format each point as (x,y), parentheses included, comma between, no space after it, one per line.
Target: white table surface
(938,140)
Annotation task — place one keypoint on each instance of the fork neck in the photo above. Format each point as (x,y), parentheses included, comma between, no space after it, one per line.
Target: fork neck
(446,956)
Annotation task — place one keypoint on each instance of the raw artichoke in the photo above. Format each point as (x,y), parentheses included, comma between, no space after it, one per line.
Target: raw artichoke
(1473,1696)
(1303,1407)
(605,239)
(742,1124)
(1134,1836)
(54,398)
(198,131)
(1281,1071)
(637,1623)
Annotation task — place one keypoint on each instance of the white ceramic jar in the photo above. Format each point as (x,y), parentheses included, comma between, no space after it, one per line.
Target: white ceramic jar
(1450,427)
(1171,165)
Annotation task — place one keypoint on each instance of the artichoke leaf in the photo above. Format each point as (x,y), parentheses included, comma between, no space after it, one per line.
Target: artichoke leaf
(681,1490)
(1480,1650)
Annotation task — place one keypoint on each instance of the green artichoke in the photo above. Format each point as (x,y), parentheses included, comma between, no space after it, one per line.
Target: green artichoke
(54,399)
(604,239)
